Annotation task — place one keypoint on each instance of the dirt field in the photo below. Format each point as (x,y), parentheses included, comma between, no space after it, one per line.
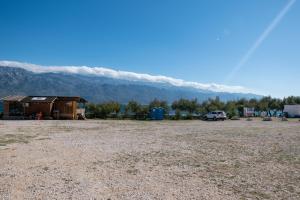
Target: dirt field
(149,160)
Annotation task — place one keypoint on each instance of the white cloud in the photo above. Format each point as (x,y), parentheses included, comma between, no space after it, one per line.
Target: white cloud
(101,71)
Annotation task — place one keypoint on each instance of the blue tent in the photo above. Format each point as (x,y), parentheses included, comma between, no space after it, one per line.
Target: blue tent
(157,113)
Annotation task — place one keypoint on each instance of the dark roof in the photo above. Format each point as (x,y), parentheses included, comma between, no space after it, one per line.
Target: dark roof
(39,99)
(42,99)
(13,98)
(78,99)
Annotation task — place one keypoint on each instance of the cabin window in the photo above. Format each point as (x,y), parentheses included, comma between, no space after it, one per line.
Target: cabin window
(15,109)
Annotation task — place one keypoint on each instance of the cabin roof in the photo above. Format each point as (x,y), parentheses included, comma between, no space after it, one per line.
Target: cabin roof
(39,99)
(13,98)
(78,99)
(42,99)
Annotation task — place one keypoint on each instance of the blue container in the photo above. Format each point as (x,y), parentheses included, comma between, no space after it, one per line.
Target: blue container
(157,113)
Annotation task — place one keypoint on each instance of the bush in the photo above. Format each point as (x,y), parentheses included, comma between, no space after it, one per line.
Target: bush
(235,118)
(188,117)
(267,119)
(103,110)
(1,115)
(90,115)
(141,116)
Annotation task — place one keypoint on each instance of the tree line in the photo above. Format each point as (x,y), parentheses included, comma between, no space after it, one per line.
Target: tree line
(135,110)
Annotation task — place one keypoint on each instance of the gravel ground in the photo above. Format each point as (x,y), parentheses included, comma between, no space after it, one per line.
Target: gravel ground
(112,159)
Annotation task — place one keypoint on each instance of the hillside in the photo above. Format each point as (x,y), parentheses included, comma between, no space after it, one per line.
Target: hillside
(17,81)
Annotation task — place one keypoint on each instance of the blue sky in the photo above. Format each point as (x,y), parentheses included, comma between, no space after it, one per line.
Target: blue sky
(201,41)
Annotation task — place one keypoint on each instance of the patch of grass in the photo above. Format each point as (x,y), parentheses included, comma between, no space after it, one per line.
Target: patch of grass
(259,194)
(289,158)
(99,162)
(235,118)
(45,168)
(14,138)
(45,138)
(132,171)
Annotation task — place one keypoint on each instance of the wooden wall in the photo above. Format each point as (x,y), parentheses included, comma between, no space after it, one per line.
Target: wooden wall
(34,108)
(6,108)
(67,109)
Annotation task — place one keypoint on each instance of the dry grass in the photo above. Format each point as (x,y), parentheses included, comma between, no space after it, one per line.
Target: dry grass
(14,138)
(150,160)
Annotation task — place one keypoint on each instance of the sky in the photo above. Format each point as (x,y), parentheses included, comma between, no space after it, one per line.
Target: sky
(253,43)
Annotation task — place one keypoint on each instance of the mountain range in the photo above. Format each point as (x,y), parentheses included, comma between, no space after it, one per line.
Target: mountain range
(19,81)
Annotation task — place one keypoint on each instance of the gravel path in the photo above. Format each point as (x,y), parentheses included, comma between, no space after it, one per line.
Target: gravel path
(112,159)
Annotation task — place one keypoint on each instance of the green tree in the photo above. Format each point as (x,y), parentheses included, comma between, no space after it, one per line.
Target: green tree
(91,110)
(291,100)
(185,105)
(213,104)
(133,107)
(102,110)
(136,110)
(158,103)
(264,103)
(142,113)
(231,109)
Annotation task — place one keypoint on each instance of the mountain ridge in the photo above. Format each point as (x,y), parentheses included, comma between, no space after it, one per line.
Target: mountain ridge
(17,81)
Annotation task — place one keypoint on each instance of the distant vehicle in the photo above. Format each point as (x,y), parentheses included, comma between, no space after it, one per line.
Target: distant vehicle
(215,115)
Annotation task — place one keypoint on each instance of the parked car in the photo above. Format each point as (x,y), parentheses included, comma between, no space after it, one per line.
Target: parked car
(215,115)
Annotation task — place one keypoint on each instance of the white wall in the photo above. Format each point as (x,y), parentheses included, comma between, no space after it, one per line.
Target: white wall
(292,110)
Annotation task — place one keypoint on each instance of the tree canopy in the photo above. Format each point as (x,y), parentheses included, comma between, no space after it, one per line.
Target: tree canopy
(232,108)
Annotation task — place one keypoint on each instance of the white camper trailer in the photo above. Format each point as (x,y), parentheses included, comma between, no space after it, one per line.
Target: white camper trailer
(249,112)
(292,110)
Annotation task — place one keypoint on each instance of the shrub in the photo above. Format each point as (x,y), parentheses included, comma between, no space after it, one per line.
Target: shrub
(235,118)
(267,119)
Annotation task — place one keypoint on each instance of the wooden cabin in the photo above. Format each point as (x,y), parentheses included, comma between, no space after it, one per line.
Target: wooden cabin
(13,107)
(44,107)
(34,105)
(69,108)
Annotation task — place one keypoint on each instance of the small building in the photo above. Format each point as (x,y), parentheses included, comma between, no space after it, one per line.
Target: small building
(46,107)
(34,105)
(157,113)
(249,112)
(13,107)
(292,110)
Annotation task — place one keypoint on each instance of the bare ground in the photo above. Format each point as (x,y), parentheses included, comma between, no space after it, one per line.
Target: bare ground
(149,160)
